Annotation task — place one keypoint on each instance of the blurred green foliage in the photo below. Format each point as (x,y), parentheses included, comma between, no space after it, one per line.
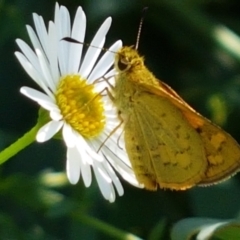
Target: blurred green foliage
(191,45)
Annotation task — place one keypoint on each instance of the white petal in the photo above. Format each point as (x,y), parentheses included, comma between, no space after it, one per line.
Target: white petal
(34,39)
(92,152)
(31,71)
(42,99)
(104,184)
(115,147)
(86,160)
(68,135)
(48,130)
(56,115)
(93,52)
(28,52)
(125,171)
(41,31)
(63,27)
(73,165)
(35,95)
(105,62)
(86,170)
(52,107)
(53,54)
(78,33)
(114,178)
(111,74)
(47,77)
(56,12)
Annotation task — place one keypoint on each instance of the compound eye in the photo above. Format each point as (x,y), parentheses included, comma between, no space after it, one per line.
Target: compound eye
(123,64)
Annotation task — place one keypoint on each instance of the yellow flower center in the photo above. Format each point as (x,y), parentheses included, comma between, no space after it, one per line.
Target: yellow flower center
(81,107)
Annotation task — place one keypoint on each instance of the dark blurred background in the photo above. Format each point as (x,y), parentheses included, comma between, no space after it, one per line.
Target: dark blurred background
(193,46)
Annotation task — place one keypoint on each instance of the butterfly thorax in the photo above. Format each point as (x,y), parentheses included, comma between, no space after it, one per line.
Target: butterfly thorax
(132,75)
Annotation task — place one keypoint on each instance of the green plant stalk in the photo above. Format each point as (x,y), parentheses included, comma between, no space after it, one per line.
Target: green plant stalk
(26,139)
(20,144)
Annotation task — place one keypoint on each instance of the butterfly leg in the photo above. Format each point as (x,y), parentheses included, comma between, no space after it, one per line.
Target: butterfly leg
(110,134)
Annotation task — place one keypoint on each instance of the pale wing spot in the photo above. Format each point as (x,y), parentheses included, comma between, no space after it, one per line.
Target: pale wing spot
(182,160)
(217,140)
(213,144)
(215,159)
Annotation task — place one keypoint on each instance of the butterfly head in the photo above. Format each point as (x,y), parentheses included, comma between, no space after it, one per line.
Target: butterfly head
(127,59)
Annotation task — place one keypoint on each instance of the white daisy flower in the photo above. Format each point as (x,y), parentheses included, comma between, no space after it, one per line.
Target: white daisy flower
(73,96)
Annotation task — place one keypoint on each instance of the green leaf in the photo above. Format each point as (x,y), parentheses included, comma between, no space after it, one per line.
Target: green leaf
(205,229)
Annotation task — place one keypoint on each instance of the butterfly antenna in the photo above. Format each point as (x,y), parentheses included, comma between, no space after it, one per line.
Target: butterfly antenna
(140,26)
(72,40)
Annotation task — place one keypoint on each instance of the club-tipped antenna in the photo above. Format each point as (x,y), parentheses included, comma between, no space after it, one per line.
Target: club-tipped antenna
(140,26)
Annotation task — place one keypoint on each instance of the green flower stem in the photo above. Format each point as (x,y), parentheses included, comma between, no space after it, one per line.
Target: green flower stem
(105,227)
(20,144)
